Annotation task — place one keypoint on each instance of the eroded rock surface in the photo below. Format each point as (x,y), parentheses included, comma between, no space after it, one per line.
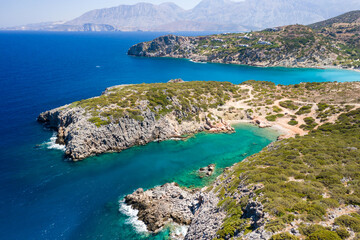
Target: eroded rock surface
(172,204)
(83,138)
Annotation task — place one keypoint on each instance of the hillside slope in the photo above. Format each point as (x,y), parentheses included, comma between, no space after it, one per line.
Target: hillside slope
(289,46)
(350,17)
(140,16)
(300,188)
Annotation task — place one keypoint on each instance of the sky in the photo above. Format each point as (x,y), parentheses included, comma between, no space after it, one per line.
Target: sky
(19,12)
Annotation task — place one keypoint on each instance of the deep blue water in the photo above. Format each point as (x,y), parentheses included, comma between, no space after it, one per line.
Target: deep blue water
(45,197)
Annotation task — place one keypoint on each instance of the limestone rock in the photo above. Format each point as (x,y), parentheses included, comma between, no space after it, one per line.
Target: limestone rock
(82,138)
(178,80)
(162,205)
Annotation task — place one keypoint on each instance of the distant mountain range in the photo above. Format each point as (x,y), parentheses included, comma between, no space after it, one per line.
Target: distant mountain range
(208,15)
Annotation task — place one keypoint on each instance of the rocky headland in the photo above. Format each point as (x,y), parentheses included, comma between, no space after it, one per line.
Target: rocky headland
(130,115)
(289,46)
(118,120)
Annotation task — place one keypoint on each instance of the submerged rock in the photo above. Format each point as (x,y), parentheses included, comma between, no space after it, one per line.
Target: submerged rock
(207,171)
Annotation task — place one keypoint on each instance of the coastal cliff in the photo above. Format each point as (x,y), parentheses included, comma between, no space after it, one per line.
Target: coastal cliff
(289,46)
(130,115)
(118,119)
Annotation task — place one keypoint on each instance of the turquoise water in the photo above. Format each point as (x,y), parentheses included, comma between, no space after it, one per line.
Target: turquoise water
(43,196)
(158,163)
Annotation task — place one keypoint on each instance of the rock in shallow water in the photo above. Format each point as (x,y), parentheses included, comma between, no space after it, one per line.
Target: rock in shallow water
(207,171)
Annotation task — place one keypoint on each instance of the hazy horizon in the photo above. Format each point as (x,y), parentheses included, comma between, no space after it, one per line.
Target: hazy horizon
(21,12)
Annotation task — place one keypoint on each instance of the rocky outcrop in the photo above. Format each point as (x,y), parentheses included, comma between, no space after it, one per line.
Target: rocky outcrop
(207,171)
(172,204)
(187,47)
(178,80)
(160,47)
(208,219)
(165,204)
(82,138)
(199,209)
(289,46)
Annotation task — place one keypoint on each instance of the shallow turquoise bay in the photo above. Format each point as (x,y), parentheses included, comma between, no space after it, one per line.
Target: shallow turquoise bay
(169,161)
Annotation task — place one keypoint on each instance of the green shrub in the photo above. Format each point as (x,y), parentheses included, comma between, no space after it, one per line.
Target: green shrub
(275,226)
(322,106)
(329,203)
(271,118)
(348,221)
(98,121)
(289,105)
(277,109)
(304,110)
(310,123)
(284,236)
(343,233)
(293,122)
(323,235)
(307,230)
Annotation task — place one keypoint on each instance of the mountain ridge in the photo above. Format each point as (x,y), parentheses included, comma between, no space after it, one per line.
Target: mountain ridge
(208,15)
(349,17)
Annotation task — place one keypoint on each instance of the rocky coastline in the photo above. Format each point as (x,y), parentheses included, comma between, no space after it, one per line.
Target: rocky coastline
(186,47)
(199,209)
(82,138)
(95,126)
(250,49)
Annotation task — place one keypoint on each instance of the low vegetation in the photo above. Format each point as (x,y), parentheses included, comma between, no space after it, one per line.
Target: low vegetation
(302,178)
(187,99)
(294,45)
(289,105)
(193,101)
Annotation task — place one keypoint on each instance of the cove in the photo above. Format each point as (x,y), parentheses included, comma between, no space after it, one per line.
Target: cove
(80,200)
(43,196)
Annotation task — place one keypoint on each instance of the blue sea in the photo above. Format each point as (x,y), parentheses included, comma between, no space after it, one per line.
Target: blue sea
(44,196)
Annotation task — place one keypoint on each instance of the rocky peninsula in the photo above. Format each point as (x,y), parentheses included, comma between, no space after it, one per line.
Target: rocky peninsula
(125,116)
(336,46)
(130,115)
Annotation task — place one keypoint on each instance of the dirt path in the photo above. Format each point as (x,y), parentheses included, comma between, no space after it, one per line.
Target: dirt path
(281,123)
